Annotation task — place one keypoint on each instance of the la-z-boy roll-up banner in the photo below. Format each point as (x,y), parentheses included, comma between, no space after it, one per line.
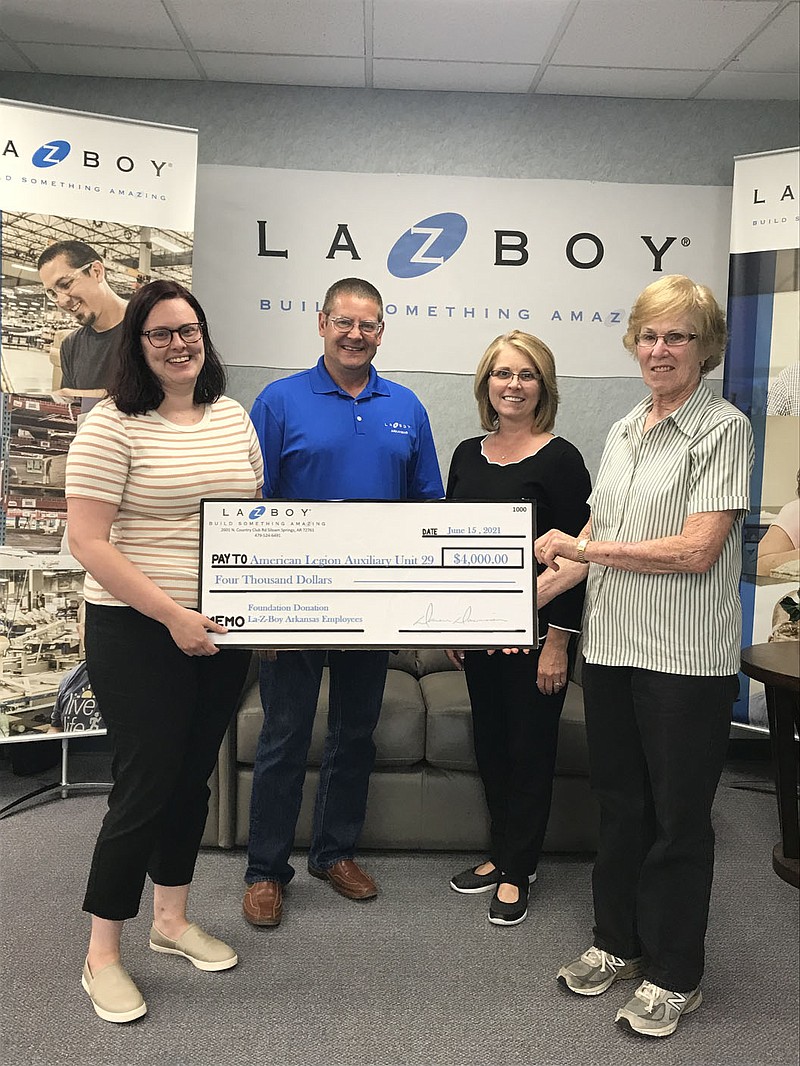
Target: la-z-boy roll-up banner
(458,260)
(96,167)
(762,378)
(126,191)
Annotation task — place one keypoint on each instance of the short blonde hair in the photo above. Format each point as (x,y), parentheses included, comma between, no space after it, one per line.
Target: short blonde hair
(544,417)
(675,294)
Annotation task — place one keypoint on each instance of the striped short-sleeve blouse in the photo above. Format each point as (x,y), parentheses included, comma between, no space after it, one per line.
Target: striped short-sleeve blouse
(156,472)
(697,459)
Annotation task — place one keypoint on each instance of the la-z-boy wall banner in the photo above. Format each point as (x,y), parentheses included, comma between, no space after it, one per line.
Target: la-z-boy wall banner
(458,260)
(762,378)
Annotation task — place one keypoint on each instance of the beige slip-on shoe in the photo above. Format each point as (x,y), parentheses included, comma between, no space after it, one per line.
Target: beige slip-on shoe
(114,996)
(203,951)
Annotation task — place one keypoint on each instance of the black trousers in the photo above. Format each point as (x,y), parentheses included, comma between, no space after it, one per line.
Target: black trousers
(166,714)
(515,728)
(657,745)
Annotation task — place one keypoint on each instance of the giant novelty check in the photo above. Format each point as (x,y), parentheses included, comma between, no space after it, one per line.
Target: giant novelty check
(299,574)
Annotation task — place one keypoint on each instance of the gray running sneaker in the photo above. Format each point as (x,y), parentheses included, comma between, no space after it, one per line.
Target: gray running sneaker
(597,970)
(655,1011)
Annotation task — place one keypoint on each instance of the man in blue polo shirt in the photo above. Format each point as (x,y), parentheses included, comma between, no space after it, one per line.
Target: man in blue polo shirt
(337,431)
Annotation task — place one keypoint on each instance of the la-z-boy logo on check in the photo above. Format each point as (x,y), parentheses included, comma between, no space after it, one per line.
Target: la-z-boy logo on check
(271,512)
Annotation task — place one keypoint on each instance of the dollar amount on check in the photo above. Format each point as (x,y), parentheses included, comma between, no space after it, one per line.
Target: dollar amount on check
(306,573)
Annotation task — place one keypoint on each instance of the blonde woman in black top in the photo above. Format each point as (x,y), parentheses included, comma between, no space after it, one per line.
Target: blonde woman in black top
(517,699)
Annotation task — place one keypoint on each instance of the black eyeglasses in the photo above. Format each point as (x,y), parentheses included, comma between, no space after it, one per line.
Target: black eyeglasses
(161,336)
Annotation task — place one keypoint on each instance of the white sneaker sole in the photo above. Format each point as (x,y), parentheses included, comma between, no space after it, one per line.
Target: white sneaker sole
(474,891)
(629,1021)
(112,1016)
(505,921)
(201,964)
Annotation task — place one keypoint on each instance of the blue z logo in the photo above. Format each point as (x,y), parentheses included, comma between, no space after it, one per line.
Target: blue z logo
(257,512)
(51,153)
(427,245)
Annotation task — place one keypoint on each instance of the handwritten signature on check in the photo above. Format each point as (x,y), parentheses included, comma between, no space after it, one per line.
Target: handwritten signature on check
(427,619)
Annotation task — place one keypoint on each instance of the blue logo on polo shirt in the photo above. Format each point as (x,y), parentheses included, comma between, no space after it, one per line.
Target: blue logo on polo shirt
(427,245)
(51,153)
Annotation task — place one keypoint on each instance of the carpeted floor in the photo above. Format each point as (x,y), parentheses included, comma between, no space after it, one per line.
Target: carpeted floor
(416,977)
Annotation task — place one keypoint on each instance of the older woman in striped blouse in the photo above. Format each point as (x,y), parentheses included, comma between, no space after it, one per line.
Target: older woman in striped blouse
(136,472)
(662,642)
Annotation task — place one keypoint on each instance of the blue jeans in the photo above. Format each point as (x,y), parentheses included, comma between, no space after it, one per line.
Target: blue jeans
(289,694)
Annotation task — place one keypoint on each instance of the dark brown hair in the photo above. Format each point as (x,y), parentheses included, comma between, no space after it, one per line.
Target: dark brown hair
(135,389)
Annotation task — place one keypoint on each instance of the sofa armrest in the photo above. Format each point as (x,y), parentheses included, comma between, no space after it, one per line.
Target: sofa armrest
(226,780)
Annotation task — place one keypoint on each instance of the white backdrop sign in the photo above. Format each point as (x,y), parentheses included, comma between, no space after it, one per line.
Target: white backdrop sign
(458,260)
(766,192)
(94,166)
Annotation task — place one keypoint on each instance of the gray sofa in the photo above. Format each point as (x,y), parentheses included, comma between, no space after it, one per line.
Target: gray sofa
(425,792)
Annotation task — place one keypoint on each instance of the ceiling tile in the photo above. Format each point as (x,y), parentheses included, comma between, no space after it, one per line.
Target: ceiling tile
(452,77)
(313,27)
(735,85)
(112,62)
(604,81)
(777,48)
(504,31)
(284,70)
(10,60)
(144,24)
(697,34)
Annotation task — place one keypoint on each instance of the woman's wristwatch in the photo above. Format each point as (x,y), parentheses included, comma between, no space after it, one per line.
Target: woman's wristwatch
(580,549)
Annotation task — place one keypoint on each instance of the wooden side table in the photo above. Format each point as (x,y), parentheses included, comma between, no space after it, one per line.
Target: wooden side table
(777,666)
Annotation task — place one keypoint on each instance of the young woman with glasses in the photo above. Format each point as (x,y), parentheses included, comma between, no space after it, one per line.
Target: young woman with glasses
(136,472)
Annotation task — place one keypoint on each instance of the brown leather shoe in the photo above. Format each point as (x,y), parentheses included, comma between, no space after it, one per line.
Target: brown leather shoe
(263,903)
(349,879)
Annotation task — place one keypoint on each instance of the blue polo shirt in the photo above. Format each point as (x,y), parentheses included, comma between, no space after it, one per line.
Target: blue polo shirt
(320,443)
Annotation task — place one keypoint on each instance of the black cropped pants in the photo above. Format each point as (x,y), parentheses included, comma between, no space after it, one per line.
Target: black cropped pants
(166,714)
(515,729)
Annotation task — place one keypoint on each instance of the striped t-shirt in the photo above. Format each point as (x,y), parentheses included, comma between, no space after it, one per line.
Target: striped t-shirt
(156,472)
(697,459)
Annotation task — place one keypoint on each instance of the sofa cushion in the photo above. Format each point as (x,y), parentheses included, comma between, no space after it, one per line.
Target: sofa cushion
(573,754)
(249,718)
(449,743)
(405,659)
(432,661)
(399,737)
